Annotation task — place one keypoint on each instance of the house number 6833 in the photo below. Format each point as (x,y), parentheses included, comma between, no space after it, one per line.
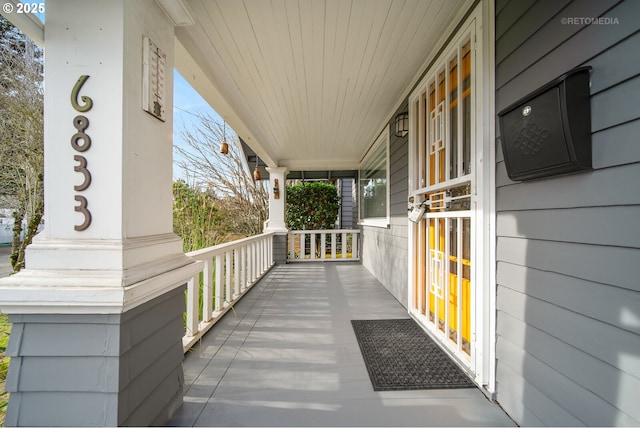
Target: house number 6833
(81,142)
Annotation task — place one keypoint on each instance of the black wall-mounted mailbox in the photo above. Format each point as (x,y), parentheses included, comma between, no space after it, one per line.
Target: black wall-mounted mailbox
(548,132)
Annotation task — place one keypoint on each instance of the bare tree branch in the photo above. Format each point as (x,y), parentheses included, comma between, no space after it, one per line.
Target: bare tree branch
(227,176)
(21,134)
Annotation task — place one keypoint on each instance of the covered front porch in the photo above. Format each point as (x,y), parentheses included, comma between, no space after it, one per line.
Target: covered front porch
(102,295)
(287,355)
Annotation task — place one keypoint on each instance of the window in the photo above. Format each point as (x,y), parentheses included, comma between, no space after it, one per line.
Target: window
(373,188)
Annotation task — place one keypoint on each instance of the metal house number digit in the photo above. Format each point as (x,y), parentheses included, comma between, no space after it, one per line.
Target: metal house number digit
(81,142)
(88,102)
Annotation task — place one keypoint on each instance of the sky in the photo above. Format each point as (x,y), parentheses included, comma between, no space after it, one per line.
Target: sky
(186,101)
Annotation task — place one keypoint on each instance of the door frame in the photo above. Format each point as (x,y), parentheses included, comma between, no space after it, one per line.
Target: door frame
(483,320)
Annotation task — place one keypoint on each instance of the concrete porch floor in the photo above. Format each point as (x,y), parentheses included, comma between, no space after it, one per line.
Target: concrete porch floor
(288,357)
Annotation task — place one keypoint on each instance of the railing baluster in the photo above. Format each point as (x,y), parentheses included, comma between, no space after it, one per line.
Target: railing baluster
(355,250)
(261,246)
(270,246)
(228,273)
(344,238)
(192,306)
(207,290)
(243,274)
(303,245)
(219,279)
(344,245)
(252,262)
(333,245)
(267,253)
(236,272)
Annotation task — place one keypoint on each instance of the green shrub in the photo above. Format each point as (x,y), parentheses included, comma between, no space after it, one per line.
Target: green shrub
(196,217)
(312,206)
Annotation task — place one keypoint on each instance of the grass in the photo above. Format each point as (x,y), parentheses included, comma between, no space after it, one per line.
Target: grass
(5,328)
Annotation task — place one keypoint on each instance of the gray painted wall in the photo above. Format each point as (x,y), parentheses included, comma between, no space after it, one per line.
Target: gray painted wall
(97,370)
(348,206)
(280,249)
(568,248)
(384,251)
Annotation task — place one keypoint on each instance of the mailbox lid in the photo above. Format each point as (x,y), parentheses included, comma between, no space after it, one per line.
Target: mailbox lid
(533,134)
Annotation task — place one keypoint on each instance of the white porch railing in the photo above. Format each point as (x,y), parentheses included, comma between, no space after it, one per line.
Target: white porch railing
(229,271)
(323,245)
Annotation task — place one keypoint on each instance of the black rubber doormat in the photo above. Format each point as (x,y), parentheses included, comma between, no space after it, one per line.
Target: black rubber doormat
(400,356)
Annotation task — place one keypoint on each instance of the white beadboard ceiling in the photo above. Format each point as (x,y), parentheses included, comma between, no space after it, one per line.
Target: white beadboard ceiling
(309,84)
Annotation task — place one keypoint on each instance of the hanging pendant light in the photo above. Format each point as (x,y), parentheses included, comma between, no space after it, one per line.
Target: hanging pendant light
(256,171)
(224,147)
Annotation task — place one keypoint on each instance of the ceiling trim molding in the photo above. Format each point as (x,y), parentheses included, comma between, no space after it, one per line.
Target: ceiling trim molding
(178,12)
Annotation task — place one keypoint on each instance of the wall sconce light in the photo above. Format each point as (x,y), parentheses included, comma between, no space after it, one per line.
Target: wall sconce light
(276,189)
(256,171)
(402,124)
(224,147)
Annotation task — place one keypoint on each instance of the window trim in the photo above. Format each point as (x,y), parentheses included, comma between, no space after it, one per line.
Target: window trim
(382,222)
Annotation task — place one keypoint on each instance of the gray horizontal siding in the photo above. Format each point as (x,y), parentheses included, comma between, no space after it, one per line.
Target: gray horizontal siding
(590,336)
(616,226)
(93,370)
(385,255)
(280,249)
(151,355)
(603,187)
(595,300)
(511,385)
(617,105)
(543,59)
(384,251)
(347,204)
(398,168)
(53,408)
(608,265)
(551,387)
(589,376)
(568,339)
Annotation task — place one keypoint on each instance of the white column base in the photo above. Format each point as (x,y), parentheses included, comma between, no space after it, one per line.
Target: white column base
(100,281)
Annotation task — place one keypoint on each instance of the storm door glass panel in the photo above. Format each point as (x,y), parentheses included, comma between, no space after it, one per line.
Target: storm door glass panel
(433,133)
(433,269)
(454,280)
(422,278)
(441,144)
(422,142)
(437,130)
(453,123)
(466,285)
(466,107)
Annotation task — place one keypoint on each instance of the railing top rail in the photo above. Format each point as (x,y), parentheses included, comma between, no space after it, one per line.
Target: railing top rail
(205,253)
(327,231)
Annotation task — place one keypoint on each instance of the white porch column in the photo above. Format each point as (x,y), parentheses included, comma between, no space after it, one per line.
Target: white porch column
(276,222)
(277,200)
(99,306)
